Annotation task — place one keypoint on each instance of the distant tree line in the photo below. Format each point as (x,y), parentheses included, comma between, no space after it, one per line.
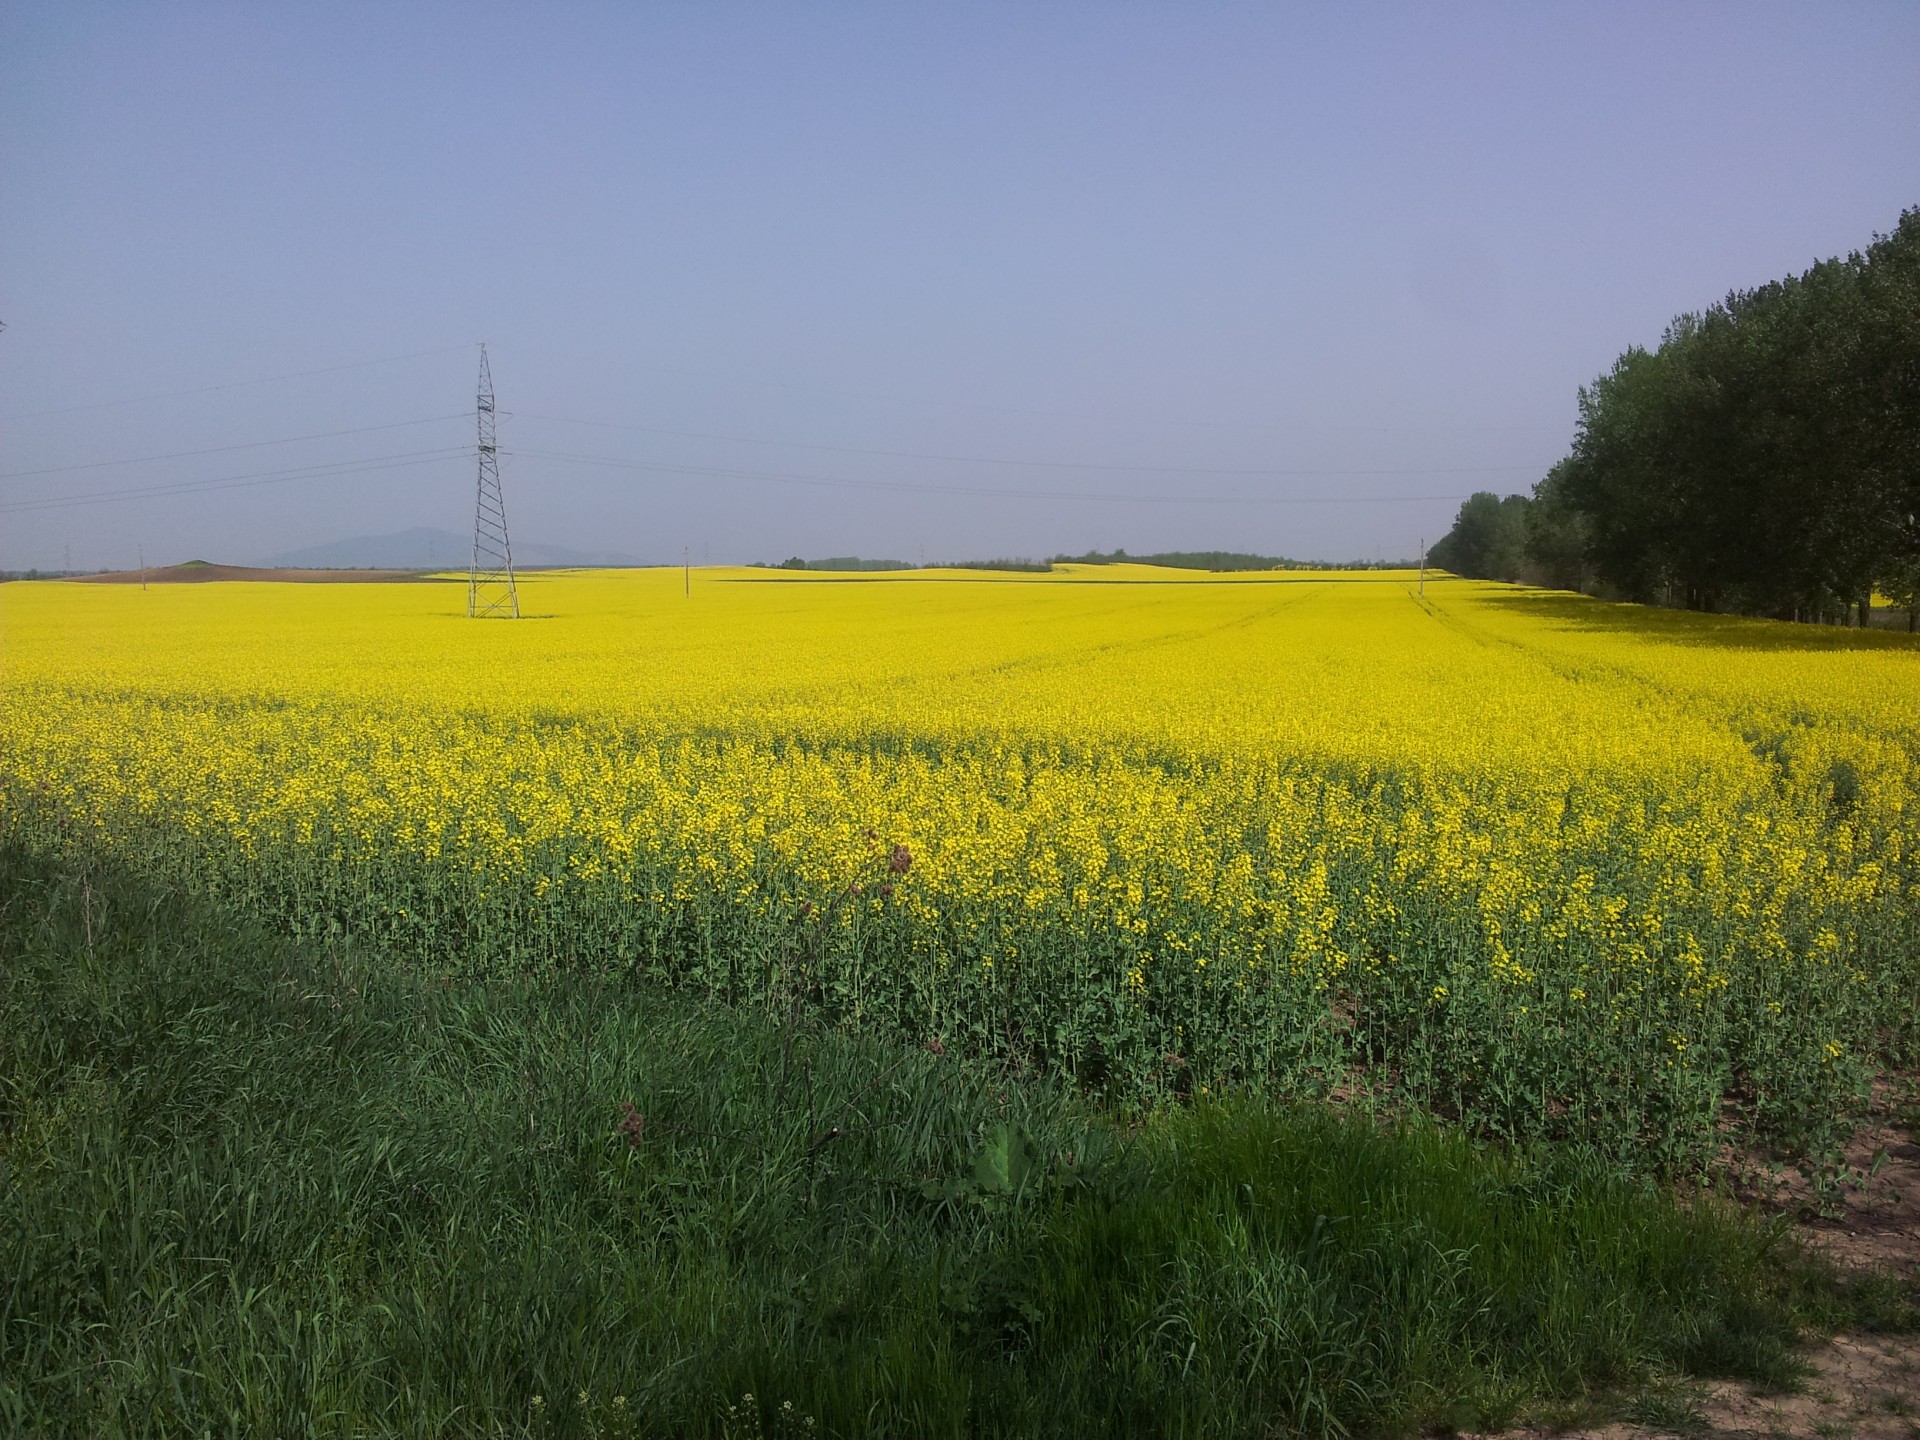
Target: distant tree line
(1220,561)
(1765,459)
(838,562)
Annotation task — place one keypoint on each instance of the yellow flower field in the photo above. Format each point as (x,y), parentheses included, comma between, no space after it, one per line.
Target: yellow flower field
(1540,863)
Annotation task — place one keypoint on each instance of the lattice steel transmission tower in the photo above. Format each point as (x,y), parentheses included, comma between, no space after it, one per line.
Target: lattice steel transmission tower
(490,587)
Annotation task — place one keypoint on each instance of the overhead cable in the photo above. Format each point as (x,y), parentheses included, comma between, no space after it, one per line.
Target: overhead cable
(222,449)
(779,477)
(237,384)
(235,482)
(961,406)
(1029,464)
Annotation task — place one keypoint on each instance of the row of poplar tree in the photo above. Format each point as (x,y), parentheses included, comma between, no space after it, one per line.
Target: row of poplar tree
(1765,459)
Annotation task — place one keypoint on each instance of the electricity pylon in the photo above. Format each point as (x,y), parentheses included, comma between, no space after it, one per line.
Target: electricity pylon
(490,587)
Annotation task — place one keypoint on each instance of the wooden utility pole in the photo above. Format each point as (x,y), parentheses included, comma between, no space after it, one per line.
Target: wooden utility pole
(686,569)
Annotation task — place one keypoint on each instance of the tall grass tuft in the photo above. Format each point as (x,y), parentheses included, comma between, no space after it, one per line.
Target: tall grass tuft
(253,1187)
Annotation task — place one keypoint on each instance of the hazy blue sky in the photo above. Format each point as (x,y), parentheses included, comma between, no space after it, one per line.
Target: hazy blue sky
(1369,251)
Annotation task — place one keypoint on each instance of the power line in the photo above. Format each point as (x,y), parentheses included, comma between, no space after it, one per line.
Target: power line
(237,384)
(222,449)
(1026,464)
(237,482)
(926,403)
(780,477)
(408,458)
(425,457)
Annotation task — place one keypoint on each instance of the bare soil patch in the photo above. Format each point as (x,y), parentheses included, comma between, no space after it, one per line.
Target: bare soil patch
(200,574)
(1861,1386)
(1868,1217)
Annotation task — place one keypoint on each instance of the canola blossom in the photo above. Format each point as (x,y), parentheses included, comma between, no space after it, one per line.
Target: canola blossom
(1542,864)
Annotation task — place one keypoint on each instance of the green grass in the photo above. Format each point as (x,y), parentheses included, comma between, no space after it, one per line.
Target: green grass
(249,1187)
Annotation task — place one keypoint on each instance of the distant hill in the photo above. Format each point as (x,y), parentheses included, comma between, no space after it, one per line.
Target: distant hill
(425,548)
(199,572)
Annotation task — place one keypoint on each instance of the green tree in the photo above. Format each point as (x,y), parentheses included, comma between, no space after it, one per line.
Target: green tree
(1765,457)
(1887,395)
(1557,536)
(1488,540)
